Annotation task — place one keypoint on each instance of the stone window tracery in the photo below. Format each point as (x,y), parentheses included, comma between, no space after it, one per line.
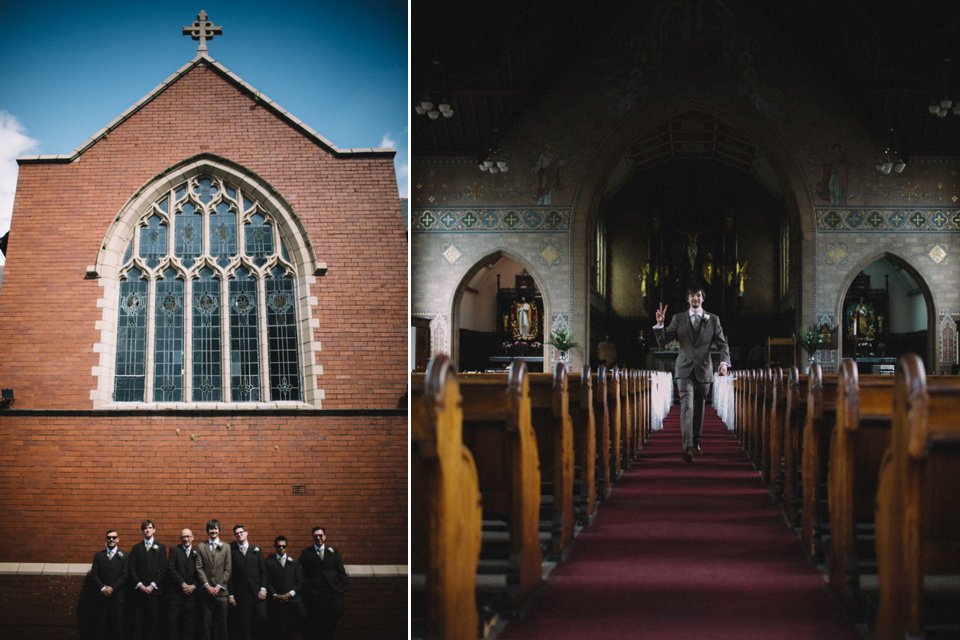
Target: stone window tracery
(207,313)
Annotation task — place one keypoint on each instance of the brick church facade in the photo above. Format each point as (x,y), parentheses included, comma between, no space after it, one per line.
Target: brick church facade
(203,316)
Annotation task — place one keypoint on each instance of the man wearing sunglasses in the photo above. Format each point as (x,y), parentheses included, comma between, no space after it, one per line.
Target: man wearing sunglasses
(109,574)
(326,581)
(284,584)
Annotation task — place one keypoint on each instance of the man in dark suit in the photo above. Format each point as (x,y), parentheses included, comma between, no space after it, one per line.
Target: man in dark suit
(148,564)
(325,581)
(182,589)
(214,567)
(284,585)
(109,574)
(695,330)
(248,586)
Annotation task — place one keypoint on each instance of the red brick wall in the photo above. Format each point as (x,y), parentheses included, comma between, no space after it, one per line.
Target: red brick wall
(70,477)
(55,608)
(349,206)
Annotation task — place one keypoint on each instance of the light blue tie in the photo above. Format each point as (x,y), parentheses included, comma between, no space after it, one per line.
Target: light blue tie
(695,319)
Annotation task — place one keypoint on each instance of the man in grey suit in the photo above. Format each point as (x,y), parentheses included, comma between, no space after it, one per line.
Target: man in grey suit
(214,568)
(695,330)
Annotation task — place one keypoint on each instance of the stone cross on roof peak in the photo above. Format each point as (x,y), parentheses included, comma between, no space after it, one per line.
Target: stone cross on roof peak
(202,30)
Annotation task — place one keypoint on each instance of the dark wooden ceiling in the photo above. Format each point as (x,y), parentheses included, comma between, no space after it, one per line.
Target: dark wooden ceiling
(885,60)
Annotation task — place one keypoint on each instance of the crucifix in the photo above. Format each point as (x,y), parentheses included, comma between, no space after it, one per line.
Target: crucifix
(202,30)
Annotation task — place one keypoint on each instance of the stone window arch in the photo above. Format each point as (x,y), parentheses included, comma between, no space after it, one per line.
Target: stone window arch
(209,300)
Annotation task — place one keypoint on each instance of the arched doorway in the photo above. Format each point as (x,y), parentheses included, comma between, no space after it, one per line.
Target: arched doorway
(694,222)
(886,311)
(499,314)
(715,138)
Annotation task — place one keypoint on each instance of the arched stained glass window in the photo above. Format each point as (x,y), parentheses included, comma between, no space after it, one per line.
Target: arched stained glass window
(282,335)
(168,338)
(210,312)
(207,354)
(244,343)
(131,337)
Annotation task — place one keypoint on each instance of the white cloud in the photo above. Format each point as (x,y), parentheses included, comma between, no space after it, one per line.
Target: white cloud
(388,142)
(403,178)
(401,162)
(13,143)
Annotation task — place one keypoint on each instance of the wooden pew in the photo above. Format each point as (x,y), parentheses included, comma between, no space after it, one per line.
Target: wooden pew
(550,407)
(739,394)
(646,401)
(614,381)
(601,412)
(445,504)
(820,420)
(766,429)
(760,416)
(917,528)
(636,411)
(753,401)
(584,445)
(857,445)
(498,430)
(795,419)
(627,411)
(774,448)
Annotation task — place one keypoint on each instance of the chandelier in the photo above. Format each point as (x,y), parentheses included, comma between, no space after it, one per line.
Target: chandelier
(890,159)
(945,105)
(426,107)
(493,161)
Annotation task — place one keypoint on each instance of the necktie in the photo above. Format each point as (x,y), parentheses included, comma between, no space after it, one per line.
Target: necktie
(322,549)
(695,319)
(283,561)
(243,551)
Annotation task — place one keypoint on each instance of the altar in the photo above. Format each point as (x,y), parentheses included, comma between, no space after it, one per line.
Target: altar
(500,363)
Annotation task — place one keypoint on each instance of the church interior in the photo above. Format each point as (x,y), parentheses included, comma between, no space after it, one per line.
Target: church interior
(575,167)
(674,142)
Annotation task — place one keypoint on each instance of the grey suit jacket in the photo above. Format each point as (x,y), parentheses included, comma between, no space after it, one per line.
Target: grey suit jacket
(214,567)
(694,359)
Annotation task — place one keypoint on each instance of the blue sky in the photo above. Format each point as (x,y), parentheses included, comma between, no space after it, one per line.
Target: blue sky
(69,68)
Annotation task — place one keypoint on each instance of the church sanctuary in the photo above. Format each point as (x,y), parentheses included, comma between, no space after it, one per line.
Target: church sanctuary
(576,169)
(203,316)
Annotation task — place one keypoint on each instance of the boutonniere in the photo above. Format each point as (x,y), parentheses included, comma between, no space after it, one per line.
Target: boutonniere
(219,545)
(331,549)
(256,549)
(706,316)
(120,553)
(155,548)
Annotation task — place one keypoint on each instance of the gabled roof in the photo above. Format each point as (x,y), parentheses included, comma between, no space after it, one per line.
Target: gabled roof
(204,59)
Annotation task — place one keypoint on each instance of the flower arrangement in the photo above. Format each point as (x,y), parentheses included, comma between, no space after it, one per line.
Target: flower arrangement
(811,339)
(562,339)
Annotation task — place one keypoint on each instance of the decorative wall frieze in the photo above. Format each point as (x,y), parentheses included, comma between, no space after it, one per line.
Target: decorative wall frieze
(892,220)
(477,219)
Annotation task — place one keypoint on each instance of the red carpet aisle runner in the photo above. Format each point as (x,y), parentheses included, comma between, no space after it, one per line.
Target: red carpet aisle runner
(685,550)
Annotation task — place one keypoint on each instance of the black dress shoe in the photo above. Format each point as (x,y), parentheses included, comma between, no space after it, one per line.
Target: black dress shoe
(697,451)
(688,455)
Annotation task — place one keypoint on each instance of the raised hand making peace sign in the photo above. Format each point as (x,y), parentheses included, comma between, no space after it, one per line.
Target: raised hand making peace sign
(661,313)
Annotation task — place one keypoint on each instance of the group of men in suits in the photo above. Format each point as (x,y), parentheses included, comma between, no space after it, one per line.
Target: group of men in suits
(269,597)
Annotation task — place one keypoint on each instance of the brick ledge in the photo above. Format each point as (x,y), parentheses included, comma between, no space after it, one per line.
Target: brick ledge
(80,569)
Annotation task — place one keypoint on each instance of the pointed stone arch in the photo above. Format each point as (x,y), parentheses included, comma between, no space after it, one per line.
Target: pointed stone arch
(932,356)
(290,235)
(780,168)
(488,259)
